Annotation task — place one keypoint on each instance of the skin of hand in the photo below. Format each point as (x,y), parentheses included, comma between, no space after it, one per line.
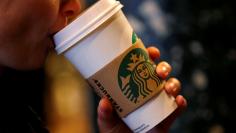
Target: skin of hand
(109,121)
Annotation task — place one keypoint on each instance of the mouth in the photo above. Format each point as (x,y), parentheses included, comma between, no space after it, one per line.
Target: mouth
(52,44)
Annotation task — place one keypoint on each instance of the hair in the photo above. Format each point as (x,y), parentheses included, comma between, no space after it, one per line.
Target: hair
(137,82)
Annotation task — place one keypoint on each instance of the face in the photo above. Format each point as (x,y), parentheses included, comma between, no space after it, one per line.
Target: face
(27,27)
(143,71)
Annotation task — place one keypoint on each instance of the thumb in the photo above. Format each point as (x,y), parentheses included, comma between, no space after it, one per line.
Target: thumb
(106,117)
(108,120)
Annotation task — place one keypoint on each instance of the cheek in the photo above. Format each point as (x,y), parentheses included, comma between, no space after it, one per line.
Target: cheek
(25,36)
(48,20)
(44,15)
(60,22)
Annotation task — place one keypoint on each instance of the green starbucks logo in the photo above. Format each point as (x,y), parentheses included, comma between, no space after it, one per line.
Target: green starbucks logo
(134,38)
(137,77)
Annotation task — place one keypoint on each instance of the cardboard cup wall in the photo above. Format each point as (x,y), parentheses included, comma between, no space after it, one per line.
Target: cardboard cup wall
(102,45)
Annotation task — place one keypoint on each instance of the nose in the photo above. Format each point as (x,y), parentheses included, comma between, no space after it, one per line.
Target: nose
(70,8)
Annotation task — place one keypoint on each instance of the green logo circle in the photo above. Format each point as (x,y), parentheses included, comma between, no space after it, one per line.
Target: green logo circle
(136,76)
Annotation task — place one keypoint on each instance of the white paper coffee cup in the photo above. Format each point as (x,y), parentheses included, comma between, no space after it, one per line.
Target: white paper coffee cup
(96,38)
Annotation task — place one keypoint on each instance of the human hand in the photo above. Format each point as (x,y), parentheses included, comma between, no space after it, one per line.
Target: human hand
(109,121)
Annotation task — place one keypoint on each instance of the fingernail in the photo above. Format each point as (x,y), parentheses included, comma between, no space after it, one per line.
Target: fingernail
(104,112)
(168,87)
(174,88)
(154,53)
(183,102)
(165,71)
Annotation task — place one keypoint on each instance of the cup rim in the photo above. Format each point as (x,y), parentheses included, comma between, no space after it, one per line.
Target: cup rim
(87,22)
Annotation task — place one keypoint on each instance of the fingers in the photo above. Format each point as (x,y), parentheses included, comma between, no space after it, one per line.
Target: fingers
(154,53)
(163,69)
(165,125)
(181,102)
(108,120)
(105,109)
(105,114)
(173,86)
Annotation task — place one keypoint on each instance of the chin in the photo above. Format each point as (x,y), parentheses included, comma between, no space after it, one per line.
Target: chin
(29,66)
(36,63)
(35,66)
(32,63)
(38,59)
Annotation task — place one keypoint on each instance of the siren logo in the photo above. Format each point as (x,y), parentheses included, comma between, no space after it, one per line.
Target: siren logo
(137,77)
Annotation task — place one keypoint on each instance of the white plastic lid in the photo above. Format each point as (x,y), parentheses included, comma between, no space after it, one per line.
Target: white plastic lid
(87,22)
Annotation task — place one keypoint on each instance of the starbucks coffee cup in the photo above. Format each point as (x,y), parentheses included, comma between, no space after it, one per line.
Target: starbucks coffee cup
(102,45)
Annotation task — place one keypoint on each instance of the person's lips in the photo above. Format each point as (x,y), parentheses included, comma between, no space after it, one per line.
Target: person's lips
(52,44)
